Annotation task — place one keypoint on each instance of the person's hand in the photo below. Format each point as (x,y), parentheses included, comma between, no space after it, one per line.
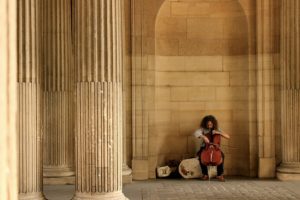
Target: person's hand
(206,140)
(211,146)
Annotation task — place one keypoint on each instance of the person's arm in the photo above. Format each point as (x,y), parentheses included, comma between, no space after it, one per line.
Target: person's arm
(206,140)
(222,133)
(199,134)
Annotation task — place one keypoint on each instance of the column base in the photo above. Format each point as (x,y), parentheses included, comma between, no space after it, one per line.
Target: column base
(58,171)
(58,175)
(94,196)
(140,170)
(32,196)
(288,172)
(127,179)
(70,180)
(266,167)
(126,174)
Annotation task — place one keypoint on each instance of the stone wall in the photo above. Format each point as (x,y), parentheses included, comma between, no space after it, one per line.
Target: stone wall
(193,58)
(203,55)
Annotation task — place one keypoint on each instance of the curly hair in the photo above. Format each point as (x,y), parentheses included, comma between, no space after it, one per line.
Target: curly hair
(208,118)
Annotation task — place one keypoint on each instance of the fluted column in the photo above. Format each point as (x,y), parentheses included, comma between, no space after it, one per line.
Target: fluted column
(98,61)
(28,87)
(8,104)
(290,91)
(126,171)
(267,52)
(58,92)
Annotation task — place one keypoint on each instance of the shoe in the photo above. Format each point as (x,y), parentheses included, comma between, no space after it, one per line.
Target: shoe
(221,178)
(204,177)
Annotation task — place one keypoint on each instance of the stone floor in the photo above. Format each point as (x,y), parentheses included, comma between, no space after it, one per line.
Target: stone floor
(232,189)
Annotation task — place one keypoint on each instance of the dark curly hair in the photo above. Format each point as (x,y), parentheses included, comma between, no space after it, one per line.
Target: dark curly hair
(208,118)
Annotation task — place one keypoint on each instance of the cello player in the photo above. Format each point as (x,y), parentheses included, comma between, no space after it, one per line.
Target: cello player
(209,125)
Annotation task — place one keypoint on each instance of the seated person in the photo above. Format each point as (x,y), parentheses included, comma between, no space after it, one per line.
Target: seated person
(209,126)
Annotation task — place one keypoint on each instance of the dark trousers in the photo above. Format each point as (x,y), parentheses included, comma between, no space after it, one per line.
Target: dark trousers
(220,168)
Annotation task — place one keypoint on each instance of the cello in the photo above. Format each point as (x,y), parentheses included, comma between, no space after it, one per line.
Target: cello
(212,154)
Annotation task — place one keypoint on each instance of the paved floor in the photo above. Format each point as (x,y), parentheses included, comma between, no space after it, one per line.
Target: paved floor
(232,189)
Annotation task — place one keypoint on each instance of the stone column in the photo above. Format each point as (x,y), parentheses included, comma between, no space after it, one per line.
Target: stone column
(58,93)
(142,95)
(28,88)
(290,91)
(126,171)
(8,104)
(98,61)
(267,52)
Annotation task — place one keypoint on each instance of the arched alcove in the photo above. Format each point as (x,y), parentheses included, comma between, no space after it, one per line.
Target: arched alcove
(201,67)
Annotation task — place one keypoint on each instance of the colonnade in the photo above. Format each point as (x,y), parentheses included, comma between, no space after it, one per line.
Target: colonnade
(48,81)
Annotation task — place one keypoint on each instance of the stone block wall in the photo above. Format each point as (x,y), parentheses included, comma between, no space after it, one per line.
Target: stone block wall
(193,58)
(203,65)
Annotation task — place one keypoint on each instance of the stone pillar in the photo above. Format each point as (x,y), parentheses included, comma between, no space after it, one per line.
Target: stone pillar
(126,171)
(142,95)
(290,91)
(58,93)
(98,61)
(29,90)
(267,50)
(8,104)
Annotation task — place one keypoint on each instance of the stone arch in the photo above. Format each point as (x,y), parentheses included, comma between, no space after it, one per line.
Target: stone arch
(202,66)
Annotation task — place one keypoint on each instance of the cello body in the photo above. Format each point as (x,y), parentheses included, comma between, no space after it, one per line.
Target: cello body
(212,154)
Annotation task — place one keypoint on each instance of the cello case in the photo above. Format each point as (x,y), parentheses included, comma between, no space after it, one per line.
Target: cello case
(212,154)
